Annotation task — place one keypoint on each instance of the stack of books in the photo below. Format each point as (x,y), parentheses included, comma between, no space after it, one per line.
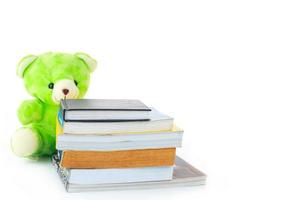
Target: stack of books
(118,144)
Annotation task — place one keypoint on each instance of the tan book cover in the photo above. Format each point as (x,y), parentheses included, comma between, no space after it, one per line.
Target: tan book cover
(118,159)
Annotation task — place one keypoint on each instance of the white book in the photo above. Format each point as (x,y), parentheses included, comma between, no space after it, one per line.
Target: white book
(157,122)
(114,175)
(124,175)
(183,175)
(119,146)
(148,140)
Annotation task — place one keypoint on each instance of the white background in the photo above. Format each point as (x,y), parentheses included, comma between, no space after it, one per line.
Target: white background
(227,71)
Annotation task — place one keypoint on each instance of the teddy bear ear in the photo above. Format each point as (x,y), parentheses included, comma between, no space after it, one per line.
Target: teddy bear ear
(24,64)
(88,60)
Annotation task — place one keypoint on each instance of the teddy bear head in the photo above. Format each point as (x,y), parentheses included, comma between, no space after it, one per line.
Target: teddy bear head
(51,77)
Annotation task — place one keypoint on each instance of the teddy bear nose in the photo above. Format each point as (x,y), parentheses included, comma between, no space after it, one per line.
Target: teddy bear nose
(65,91)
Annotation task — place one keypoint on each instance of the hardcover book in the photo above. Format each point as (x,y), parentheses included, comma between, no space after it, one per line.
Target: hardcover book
(103,110)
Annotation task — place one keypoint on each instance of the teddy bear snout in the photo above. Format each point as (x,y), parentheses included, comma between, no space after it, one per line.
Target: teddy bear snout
(65,91)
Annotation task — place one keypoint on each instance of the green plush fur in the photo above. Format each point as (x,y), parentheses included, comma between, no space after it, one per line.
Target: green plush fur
(39,114)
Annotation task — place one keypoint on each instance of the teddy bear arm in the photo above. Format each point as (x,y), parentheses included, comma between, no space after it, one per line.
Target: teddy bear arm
(30,111)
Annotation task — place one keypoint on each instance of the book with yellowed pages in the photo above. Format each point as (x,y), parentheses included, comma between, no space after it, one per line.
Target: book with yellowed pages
(118,141)
(117,159)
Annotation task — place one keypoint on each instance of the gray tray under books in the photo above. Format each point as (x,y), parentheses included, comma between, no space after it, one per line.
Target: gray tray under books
(184,175)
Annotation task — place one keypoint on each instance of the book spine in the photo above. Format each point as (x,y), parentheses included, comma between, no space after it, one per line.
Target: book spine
(64,108)
(59,130)
(60,118)
(55,163)
(63,104)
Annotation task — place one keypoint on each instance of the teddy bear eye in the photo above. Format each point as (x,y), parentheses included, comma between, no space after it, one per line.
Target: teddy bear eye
(76,83)
(51,85)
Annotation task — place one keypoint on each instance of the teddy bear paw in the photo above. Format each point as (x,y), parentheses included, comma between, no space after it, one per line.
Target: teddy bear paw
(25,142)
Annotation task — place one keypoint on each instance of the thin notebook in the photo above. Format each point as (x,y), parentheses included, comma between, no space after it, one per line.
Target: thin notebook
(80,110)
(183,175)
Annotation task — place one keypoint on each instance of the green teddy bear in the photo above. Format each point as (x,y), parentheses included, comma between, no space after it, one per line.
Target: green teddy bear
(49,78)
